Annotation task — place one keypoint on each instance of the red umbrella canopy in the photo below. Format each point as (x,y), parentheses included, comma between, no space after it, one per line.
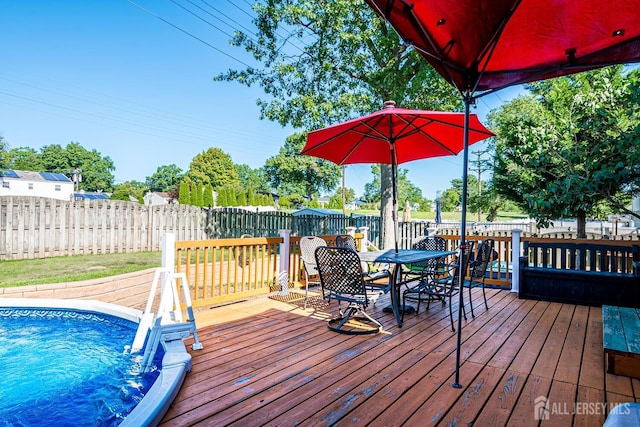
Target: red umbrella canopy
(481,45)
(406,134)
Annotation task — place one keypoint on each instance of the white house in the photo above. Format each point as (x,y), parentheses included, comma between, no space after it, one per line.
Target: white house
(37,184)
(157,198)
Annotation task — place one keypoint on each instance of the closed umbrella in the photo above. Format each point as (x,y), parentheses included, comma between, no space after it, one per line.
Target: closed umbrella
(438,212)
(393,136)
(481,46)
(406,212)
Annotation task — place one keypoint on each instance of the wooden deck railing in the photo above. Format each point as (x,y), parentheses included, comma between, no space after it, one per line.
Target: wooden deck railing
(224,270)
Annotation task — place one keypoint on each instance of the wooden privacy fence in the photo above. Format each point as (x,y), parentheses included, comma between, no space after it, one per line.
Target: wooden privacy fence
(36,227)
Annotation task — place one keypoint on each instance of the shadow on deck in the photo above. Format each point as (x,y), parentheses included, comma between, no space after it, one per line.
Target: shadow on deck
(268,362)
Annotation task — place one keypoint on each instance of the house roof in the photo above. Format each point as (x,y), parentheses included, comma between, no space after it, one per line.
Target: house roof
(34,176)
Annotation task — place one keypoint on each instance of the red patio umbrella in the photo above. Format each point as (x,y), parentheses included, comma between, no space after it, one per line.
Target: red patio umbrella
(392,136)
(481,46)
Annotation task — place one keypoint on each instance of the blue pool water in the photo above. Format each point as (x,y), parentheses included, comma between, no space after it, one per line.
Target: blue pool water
(67,368)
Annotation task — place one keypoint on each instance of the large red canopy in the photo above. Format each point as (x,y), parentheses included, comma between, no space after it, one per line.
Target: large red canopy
(487,45)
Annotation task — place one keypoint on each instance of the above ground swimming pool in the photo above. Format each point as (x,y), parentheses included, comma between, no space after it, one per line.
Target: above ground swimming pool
(66,362)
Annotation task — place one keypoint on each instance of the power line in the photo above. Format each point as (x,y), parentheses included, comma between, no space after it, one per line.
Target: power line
(230,18)
(200,17)
(189,34)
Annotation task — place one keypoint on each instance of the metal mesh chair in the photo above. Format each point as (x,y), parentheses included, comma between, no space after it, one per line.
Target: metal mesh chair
(429,268)
(478,270)
(443,286)
(308,245)
(370,277)
(341,279)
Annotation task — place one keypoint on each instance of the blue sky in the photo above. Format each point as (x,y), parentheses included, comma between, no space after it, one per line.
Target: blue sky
(133,85)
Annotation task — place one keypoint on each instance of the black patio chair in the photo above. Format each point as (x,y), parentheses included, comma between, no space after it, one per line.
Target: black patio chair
(443,286)
(371,276)
(429,268)
(342,280)
(478,269)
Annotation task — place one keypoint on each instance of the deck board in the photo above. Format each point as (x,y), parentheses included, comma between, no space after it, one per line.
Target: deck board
(283,367)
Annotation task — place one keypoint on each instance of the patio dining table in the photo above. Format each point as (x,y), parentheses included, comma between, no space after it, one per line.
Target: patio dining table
(397,259)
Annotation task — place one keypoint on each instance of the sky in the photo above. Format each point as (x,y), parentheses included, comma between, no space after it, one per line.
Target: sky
(134,81)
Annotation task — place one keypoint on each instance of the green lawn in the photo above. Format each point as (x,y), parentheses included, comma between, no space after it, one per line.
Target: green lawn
(74,268)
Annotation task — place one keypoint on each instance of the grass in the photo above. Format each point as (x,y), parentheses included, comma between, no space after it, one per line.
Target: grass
(74,268)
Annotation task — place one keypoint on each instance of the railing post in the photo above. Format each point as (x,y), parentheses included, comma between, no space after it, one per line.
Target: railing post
(515,260)
(364,243)
(283,272)
(168,251)
(168,247)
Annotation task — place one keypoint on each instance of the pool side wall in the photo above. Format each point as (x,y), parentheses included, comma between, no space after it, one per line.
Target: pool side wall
(176,362)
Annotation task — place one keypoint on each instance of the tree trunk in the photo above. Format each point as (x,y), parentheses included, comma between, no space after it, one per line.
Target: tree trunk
(582,225)
(386,207)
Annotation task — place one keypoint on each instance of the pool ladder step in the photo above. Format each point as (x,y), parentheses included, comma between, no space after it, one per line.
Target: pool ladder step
(166,324)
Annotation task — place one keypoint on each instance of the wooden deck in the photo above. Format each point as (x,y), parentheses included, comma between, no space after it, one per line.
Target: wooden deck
(279,365)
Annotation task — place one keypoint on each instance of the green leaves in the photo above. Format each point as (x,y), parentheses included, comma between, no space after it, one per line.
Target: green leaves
(571,148)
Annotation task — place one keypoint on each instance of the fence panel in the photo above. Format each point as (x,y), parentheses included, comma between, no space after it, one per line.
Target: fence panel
(37,227)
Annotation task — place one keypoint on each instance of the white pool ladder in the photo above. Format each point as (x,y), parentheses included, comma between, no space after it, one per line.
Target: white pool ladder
(167,323)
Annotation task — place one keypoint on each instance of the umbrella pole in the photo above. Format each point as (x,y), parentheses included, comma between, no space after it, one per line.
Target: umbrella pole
(395,199)
(463,226)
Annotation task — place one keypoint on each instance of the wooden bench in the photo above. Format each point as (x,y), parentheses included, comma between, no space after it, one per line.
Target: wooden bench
(621,339)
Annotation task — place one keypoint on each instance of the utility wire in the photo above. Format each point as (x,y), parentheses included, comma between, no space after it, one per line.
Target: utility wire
(248,30)
(189,34)
(200,17)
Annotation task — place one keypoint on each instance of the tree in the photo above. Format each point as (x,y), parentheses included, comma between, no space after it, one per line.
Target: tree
(128,190)
(4,148)
(22,158)
(290,172)
(200,194)
(570,148)
(222,197)
(165,178)
(214,167)
(194,194)
(207,198)
(184,196)
(335,201)
(96,170)
(326,62)
(250,178)
(242,198)
(450,199)
(406,189)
